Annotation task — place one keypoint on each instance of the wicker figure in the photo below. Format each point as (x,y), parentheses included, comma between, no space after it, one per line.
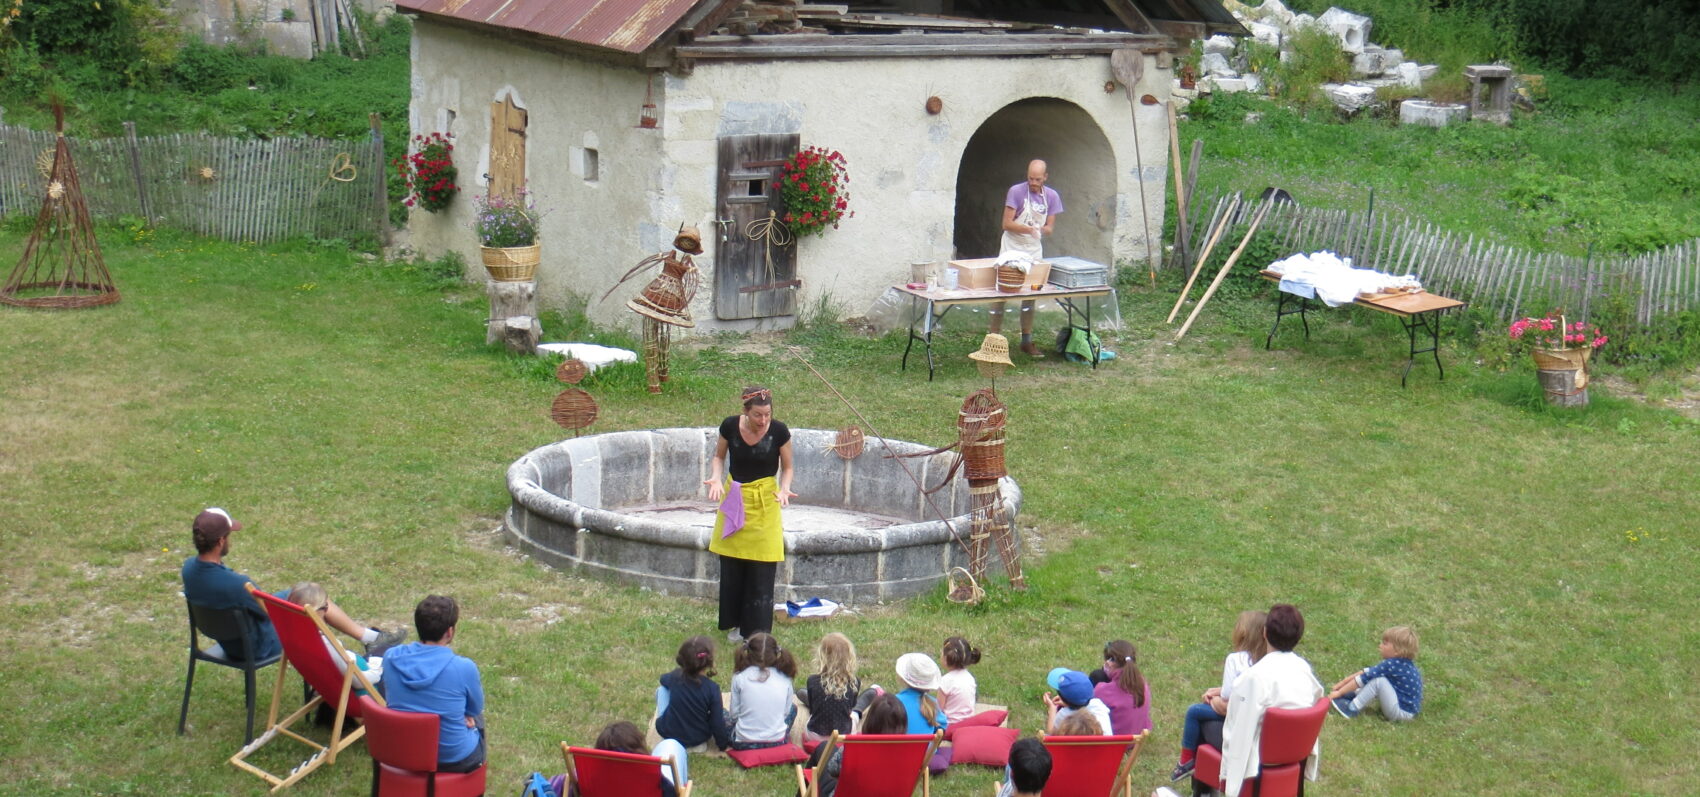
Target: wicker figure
(980,433)
(665,301)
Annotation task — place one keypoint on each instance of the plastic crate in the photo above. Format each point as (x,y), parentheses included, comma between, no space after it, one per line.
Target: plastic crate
(1072,272)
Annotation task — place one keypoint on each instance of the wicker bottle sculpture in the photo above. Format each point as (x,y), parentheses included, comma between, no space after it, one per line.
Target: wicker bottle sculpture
(980,433)
(665,301)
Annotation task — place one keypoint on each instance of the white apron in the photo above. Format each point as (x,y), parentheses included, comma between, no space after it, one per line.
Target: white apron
(1032,214)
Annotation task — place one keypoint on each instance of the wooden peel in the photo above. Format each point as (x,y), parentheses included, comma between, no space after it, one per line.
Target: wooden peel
(1203,257)
(1129,66)
(1220,275)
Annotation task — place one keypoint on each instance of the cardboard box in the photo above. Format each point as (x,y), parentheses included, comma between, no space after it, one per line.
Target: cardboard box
(976,274)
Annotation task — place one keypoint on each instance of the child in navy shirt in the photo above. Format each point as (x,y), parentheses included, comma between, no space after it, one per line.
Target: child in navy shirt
(1395,683)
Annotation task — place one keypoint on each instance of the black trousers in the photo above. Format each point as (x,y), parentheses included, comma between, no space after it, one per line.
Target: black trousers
(746,595)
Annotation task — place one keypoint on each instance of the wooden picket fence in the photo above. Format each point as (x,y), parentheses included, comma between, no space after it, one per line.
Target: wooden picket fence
(1505,281)
(234,189)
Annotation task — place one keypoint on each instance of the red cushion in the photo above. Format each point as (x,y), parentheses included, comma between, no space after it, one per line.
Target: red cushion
(993,717)
(983,744)
(768,756)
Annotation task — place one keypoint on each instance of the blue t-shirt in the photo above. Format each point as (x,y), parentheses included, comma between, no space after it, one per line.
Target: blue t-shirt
(216,586)
(1407,681)
(911,699)
(434,680)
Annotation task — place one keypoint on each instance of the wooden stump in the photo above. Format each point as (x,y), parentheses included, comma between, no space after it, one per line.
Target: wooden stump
(513,301)
(1567,388)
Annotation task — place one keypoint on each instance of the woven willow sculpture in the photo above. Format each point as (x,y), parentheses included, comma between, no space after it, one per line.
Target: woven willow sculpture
(61,267)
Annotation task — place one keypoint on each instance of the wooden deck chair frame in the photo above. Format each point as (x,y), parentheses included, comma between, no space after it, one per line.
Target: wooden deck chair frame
(569,752)
(352,679)
(810,786)
(1122,786)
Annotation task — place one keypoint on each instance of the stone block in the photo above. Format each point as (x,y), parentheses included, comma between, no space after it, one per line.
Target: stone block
(1432,114)
(1410,75)
(1219,45)
(1366,64)
(1352,29)
(1275,12)
(1265,34)
(1391,58)
(1216,64)
(626,469)
(585,479)
(825,482)
(1253,83)
(1427,71)
(682,454)
(884,490)
(1349,97)
(1228,85)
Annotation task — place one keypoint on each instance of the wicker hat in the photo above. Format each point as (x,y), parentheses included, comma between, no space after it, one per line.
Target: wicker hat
(689,240)
(918,670)
(994,349)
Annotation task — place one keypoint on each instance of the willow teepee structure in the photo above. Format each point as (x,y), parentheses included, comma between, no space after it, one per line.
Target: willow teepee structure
(61,267)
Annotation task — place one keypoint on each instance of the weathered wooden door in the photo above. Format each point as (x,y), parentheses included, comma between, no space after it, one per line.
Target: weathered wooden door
(507,148)
(752,278)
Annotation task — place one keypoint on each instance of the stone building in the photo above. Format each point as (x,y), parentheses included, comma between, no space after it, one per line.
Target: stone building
(937,104)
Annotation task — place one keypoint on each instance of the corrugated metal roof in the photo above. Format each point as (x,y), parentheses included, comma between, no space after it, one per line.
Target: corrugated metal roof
(628,26)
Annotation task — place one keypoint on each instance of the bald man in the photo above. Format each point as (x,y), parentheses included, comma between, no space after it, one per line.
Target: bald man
(1030,212)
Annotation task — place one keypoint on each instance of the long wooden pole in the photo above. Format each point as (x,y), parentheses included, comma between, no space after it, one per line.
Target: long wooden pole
(1175,167)
(1223,273)
(1210,244)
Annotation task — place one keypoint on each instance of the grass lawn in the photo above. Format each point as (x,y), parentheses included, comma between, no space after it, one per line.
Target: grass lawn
(348,413)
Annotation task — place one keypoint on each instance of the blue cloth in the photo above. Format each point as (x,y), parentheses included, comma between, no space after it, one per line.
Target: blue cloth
(691,712)
(911,699)
(215,586)
(1407,681)
(432,679)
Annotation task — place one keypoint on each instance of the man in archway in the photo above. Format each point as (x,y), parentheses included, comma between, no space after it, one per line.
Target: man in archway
(1030,211)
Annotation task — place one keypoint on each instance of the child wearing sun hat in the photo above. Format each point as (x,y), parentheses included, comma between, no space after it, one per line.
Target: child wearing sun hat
(920,677)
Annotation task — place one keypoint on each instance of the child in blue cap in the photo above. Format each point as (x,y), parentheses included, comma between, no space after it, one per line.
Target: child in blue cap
(1073,693)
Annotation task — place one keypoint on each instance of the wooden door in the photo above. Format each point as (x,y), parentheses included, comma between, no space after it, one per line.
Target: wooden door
(752,279)
(507,148)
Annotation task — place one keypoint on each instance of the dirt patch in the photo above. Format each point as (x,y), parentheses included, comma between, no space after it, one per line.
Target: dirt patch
(1686,401)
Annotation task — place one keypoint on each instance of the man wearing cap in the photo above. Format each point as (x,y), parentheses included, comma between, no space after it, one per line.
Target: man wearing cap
(1030,211)
(1074,693)
(208,582)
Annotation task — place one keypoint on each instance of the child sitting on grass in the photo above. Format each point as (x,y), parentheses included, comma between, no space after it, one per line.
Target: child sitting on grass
(761,711)
(830,694)
(957,689)
(1074,694)
(687,703)
(1395,683)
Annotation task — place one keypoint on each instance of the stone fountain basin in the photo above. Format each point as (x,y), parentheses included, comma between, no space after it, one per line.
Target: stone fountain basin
(631,507)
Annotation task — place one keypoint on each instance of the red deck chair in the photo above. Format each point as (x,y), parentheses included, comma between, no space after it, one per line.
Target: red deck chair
(300,630)
(1092,766)
(403,745)
(1285,742)
(606,773)
(877,765)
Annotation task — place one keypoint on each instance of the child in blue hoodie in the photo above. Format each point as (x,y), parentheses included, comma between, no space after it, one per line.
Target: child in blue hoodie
(426,676)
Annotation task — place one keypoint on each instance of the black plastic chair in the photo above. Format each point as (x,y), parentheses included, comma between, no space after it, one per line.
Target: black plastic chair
(223,624)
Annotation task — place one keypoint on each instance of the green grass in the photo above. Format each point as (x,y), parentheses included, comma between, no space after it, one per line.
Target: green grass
(349,414)
(1601,163)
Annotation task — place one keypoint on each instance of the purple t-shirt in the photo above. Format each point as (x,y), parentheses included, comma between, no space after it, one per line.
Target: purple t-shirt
(1018,194)
(1125,717)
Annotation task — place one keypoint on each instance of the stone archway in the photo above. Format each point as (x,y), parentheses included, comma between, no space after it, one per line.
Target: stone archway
(1082,170)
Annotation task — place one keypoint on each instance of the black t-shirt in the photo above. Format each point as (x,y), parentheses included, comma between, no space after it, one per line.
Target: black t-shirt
(749,463)
(828,713)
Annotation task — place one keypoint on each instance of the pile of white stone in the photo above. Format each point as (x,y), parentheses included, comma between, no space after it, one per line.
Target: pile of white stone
(1224,67)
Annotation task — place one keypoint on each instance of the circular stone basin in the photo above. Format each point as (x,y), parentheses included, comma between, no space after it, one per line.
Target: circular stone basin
(631,506)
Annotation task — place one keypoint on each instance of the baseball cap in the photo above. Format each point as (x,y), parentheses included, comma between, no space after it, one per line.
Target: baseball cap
(1054,677)
(1074,688)
(214,523)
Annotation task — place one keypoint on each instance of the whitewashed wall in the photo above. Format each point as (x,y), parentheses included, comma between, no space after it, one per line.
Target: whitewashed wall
(904,162)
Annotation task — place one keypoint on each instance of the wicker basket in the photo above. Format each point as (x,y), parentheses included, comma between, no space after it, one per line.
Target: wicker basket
(964,589)
(1011,279)
(513,263)
(1573,359)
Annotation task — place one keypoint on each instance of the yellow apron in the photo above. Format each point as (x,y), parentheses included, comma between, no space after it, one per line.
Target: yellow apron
(762,539)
